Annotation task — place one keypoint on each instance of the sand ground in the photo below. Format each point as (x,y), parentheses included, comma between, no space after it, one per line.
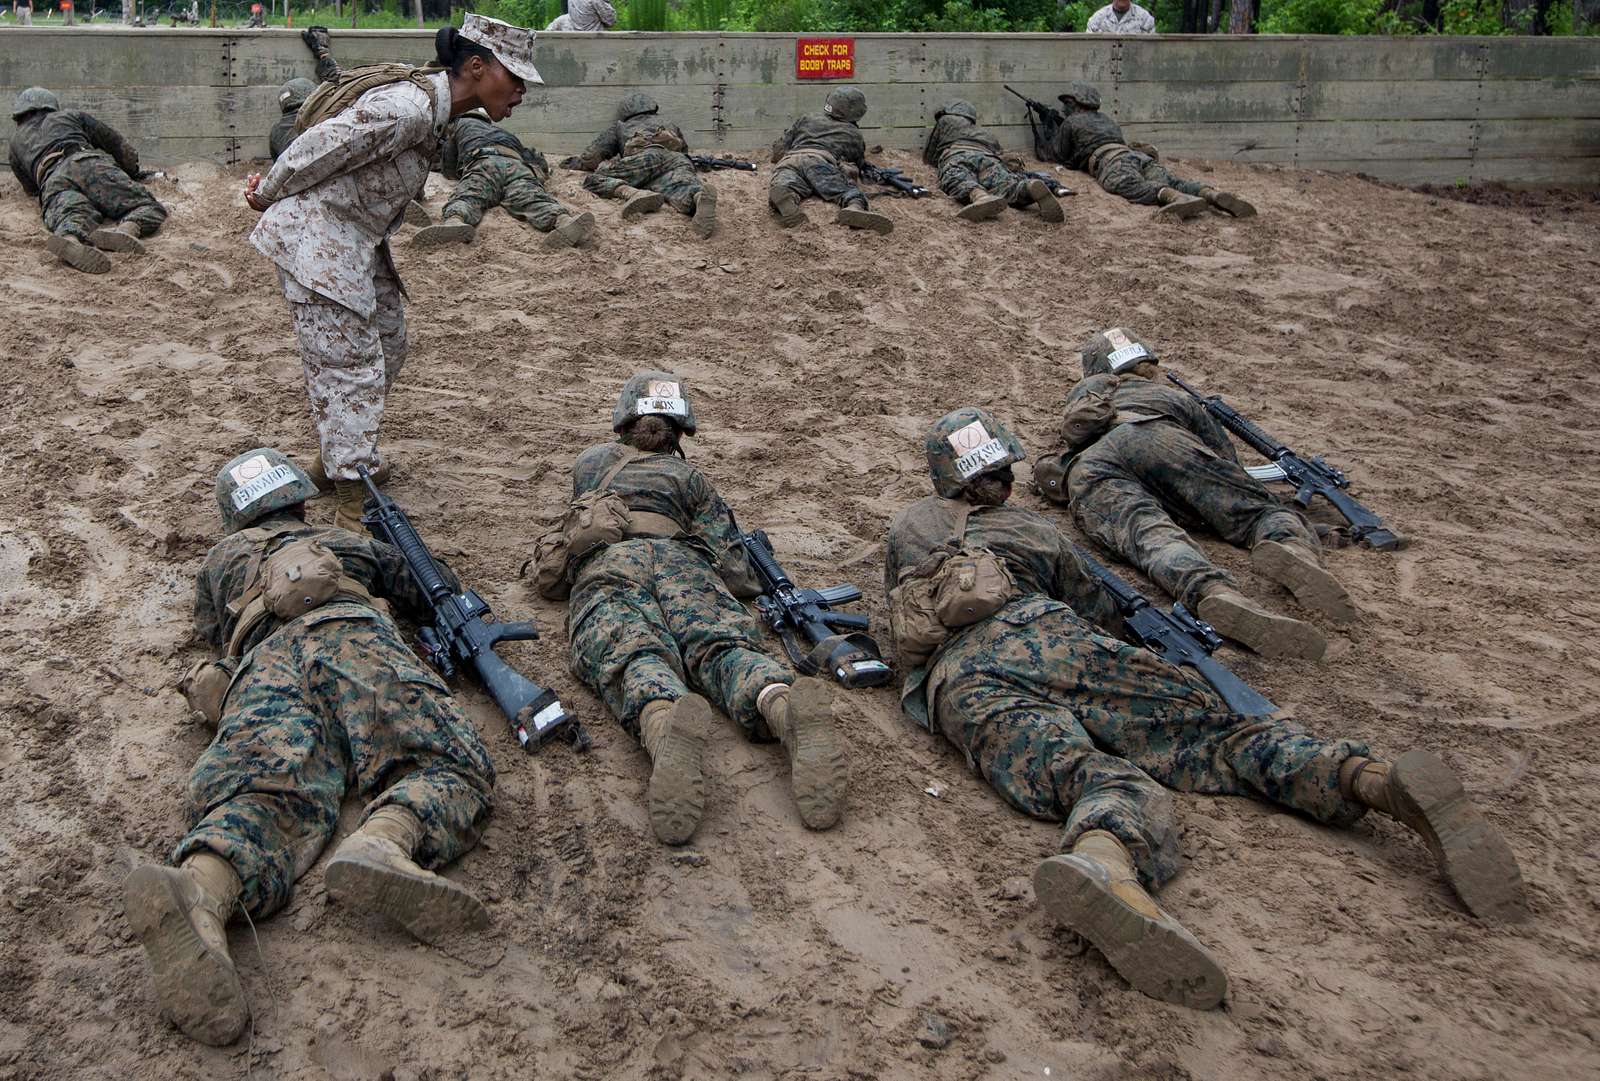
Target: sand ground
(1443,352)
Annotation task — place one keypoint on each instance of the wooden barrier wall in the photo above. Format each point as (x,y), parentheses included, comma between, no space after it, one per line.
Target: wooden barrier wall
(1412,110)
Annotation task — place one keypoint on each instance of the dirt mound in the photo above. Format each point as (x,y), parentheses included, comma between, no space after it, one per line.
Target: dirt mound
(1442,352)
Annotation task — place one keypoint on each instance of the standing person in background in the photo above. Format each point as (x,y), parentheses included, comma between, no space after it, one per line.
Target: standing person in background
(585,16)
(1121,17)
(23,10)
(329,205)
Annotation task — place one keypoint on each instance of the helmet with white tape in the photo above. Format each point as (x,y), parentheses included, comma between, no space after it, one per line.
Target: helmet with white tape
(963,445)
(1114,351)
(658,394)
(256,484)
(293,94)
(845,103)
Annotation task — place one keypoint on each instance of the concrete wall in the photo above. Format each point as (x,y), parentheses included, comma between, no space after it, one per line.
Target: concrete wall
(1520,110)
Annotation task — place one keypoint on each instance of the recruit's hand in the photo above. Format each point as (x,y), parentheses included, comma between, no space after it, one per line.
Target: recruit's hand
(251,183)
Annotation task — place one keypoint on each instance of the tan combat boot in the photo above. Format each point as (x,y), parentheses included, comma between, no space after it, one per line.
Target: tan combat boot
(373,870)
(122,237)
(1236,616)
(1175,205)
(787,206)
(417,214)
(1095,892)
(674,735)
(704,222)
(349,496)
(1228,203)
(859,217)
(569,231)
(802,718)
(180,915)
(319,474)
(1299,571)
(981,206)
(636,202)
(449,231)
(78,255)
(1045,199)
(1420,791)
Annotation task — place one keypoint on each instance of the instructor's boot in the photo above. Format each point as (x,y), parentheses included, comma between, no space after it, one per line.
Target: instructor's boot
(1096,893)
(1236,616)
(449,231)
(1175,205)
(674,735)
(570,231)
(1298,570)
(801,716)
(78,255)
(180,914)
(983,206)
(859,217)
(373,870)
(121,237)
(348,499)
(788,209)
(417,214)
(319,474)
(704,222)
(1045,199)
(1228,203)
(636,202)
(1420,791)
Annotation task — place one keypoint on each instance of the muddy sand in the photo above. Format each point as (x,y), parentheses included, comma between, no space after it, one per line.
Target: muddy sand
(1443,352)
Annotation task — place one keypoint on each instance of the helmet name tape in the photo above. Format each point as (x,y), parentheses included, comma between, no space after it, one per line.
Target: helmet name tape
(976,449)
(256,477)
(1127,357)
(672,407)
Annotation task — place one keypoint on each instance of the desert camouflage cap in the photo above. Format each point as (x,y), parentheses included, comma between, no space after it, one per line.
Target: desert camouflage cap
(658,394)
(257,483)
(845,103)
(32,99)
(293,94)
(511,45)
(636,104)
(966,444)
(1115,350)
(958,108)
(1082,93)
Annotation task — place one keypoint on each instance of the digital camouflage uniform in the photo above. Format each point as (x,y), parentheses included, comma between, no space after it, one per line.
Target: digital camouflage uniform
(331,700)
(82,172)
(1163,458)
(1121,170)
(968,157)
(809,157)
(624,156)
(492,168)
(652,619)
(1068,723)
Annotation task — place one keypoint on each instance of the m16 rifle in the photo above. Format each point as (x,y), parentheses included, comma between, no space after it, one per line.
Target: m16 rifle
(835,641)
(706,162)
(898,182)
(463,629)
(1042,121)
(1310,478)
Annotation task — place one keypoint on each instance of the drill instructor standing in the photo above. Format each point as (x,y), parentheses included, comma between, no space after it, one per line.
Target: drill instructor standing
(330,203)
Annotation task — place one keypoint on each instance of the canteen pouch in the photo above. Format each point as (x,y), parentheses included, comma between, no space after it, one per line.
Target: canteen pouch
(205,687)
(302,575)
(971,585)
(595,519)
(945,592)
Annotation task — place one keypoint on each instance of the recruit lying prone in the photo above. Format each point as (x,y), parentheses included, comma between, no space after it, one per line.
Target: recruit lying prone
(836,641)
(464,629)
(1310,478)
(707,162)
(894,179)
(1178,637)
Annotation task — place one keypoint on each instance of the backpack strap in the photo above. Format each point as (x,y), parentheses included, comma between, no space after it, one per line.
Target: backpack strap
(629,453)
(960,511)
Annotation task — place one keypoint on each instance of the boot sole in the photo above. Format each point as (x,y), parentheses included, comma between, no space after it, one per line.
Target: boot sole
(704,221)
(1311,585)
(647,203)
(1050,209)
(987,210)
(571,234)
(417,214)
(1159,958)
(437,236)
(792,219)
(677,793)
(1470,853)
(820,773)
(77,255)
(198,990)
(865,219)
(116,240)
(1269,635)
(1182,211)
(1234,205)
(431,908)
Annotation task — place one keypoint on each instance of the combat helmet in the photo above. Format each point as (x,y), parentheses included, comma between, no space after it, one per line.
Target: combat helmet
(257,483)
(964,445)
(1082,93)
(659,394)
(293,94)
(1115,350)
(636,104)
(845,103)
(957,108)
(34,99)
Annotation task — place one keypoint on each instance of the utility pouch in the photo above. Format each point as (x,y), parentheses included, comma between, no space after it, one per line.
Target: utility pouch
(594,520)
(945,592)
(205,686)
(302,575)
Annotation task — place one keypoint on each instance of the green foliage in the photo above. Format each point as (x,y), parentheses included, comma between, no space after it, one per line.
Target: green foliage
(960,17)
(534,13)
(1319,16)
(642,15)
(705,15)
(778,16)
(1073,17)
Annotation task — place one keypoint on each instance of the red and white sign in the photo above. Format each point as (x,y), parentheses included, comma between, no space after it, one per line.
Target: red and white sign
(825,58)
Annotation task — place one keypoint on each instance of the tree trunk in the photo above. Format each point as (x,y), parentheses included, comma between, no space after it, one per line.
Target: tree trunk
(1214,18)
(1191,17)
(1238,16)
(417,6)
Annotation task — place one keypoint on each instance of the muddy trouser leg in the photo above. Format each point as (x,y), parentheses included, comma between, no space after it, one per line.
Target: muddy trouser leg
(998,180)
(957,177)
(479,190)
(1115,507)
(1156,173)
(1218,491)
(678,180)
(1126,176)
(996,704)
(390,320)
(265,795)
(719,639)
(527,200)
(831,183)
(788,180)
(114,194)
(410,745)
(70,213)
(621,645)
(346,379)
